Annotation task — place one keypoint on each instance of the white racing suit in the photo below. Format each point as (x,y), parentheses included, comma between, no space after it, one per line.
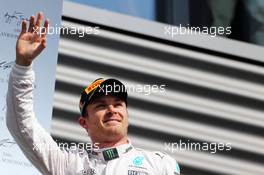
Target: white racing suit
(51,160)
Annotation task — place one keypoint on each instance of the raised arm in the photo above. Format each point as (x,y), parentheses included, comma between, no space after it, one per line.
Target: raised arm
(31,42)
(34,141)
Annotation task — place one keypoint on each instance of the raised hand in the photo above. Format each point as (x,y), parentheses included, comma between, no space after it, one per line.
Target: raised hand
(31,42)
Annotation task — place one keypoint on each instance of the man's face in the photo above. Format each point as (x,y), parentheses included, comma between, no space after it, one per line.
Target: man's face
(107,119)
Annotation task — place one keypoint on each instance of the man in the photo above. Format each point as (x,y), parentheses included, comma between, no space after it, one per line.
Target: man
(103,115)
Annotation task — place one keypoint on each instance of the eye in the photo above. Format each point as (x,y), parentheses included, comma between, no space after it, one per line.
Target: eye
(100,106)
(118,104)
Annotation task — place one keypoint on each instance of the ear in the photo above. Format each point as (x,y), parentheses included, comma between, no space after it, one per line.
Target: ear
(83,122)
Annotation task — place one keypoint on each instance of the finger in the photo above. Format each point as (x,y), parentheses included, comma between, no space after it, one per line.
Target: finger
(40,47)
(45,28)
(31,24)
(23,27)
(39,19)
(44,43)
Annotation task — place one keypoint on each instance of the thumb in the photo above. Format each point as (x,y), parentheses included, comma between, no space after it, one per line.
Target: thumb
(40,47)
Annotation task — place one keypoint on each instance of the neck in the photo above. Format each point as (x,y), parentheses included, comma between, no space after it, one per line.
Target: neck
(108,144)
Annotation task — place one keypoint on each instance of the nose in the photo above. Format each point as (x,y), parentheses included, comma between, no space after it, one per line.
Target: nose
(111,109)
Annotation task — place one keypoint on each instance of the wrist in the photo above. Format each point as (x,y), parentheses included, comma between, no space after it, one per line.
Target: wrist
(23,62)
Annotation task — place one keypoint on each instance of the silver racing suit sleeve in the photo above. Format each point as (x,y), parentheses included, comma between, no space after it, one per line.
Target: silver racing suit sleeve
(34,141)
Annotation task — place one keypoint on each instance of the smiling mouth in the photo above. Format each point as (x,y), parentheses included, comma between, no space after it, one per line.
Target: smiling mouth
(112,120)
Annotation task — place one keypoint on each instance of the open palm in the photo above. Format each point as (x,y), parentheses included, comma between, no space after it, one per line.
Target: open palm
(31,42)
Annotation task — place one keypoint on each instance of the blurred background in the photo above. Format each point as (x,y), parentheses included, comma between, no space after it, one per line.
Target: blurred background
(246,17)
(214,85)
